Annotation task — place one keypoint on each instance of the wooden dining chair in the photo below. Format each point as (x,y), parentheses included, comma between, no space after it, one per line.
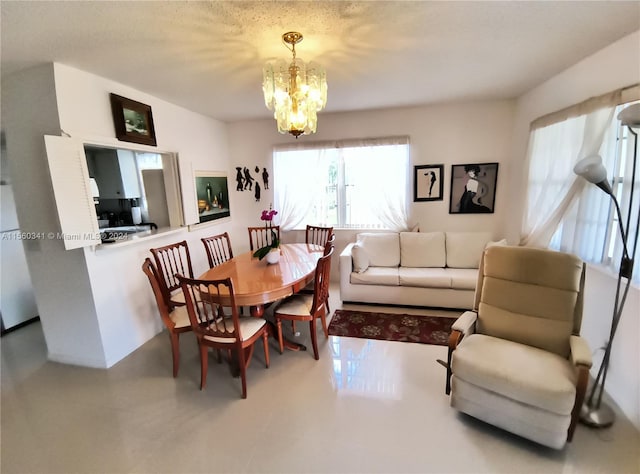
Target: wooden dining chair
(171,260)
(218,248)
(205,302)
(317,235)
(261,236)
(301,307)
(328,246)
(176,321)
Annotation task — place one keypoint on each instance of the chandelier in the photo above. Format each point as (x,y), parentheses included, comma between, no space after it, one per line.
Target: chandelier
(295,91)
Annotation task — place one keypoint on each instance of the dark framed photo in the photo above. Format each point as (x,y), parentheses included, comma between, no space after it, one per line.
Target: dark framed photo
(133,121)
(428,183)
(212,194)
(473,188)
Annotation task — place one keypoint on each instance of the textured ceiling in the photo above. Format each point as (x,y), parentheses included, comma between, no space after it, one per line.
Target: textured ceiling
(208,56)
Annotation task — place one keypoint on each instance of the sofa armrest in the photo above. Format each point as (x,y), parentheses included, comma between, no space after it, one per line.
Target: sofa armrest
(466,323)
(580,352)
(345,264)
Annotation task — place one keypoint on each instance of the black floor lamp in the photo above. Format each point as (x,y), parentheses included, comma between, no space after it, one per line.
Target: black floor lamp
(594,412)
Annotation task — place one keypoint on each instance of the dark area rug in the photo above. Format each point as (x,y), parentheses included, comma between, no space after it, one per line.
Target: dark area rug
(391,327)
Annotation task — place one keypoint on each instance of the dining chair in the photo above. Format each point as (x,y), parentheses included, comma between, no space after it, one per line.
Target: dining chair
(261,236)
(328,246)
(176,321)
(302,307)
(218,248)
(205,302)
(317,235)
(171,260)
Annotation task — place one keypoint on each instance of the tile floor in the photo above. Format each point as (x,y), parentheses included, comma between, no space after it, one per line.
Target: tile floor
(365,407)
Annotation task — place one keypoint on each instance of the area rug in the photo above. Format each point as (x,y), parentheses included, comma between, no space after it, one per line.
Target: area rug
(391,327)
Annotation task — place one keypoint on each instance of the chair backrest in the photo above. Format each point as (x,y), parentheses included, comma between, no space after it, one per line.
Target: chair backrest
(321,281)
(170,260)
(205,301)
(328,247)
(218,248)
(317,235)
(149,269)
(261,236)
(531,296)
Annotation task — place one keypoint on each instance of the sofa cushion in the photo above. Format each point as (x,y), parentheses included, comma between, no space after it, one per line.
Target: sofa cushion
(464,249)
(377,276)
(463,278)
(360,258)
(382,248)
(422,249)
(424,277)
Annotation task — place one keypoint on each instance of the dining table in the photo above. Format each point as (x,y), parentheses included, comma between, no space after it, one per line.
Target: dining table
(257,283)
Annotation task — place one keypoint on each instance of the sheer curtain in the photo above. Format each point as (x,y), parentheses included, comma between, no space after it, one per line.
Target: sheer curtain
(296,183)
(556,197)
(364,183)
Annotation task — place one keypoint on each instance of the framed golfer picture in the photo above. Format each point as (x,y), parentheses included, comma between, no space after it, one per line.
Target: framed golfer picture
(428,183)
(473,188)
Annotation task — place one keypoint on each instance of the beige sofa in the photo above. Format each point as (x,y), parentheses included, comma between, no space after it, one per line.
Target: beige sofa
(434,269)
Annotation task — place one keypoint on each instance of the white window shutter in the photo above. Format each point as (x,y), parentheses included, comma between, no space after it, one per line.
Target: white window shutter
(70,179)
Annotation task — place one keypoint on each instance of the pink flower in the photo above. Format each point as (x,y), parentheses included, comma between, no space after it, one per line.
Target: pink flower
(267,215)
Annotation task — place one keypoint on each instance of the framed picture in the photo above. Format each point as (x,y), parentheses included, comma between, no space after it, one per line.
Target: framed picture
(428,183)
(133,121)
(473,188)
(212,195)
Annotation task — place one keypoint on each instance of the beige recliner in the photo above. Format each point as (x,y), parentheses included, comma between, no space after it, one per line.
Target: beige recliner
(517,361)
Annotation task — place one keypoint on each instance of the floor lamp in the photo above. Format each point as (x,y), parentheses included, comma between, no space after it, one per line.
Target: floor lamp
(595,413)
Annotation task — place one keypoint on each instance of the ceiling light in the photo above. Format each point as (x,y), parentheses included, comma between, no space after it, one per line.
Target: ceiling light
(295,91)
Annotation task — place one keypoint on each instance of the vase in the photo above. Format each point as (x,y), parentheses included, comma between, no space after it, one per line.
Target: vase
(273,256)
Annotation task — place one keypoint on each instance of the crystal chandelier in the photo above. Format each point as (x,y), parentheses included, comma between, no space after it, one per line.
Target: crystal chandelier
(295,91)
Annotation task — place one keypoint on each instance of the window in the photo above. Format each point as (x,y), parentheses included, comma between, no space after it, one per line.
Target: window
(349,184)
(566,213)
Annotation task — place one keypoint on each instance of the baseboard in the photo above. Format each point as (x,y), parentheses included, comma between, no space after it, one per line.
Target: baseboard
(4,331)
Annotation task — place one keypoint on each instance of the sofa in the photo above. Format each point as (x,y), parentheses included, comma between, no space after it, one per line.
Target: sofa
(432,269)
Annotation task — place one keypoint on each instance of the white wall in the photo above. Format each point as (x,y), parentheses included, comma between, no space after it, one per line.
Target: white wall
(456,133)
(124,303)
(59,277)
(615,66)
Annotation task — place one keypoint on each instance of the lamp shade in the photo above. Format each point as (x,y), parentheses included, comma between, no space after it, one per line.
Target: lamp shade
(630,116)
(592,169)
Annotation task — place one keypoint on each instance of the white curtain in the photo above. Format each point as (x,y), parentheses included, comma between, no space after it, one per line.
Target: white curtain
(377,170)
(296,184)
(554,191)
(364,181)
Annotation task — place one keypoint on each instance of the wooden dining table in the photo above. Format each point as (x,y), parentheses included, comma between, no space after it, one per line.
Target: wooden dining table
(257,283)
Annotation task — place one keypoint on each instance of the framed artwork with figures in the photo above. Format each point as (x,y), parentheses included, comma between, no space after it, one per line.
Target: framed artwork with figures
(428,183)
(473,188)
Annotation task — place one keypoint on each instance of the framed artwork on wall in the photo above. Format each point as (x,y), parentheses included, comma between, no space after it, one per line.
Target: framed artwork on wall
(473,188)
(212,195)
(133,121)
(428,183)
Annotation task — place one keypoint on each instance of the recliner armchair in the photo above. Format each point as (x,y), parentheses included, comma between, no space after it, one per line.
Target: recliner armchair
(517,361)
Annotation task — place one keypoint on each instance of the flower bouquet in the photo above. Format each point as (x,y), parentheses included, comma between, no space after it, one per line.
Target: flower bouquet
(267,217)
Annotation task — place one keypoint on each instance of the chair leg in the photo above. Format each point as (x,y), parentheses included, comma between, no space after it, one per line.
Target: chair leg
(326,303)
(280,340)
(323,318)
(243,371)
(293,327)
(204,365)
(314,338)
(581,388)
(265,342)
(175,351)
